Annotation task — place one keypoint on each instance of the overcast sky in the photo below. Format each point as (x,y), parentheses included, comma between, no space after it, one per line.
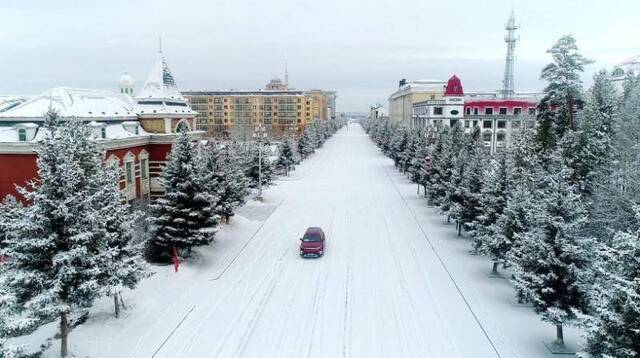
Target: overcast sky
(359,48)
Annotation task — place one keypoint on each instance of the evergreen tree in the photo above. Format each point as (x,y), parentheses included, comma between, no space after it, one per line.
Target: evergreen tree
(288,156)
(409,151)
(224,178)
(9,211)
(398,145)
(440,168)
(185,215)
(305,144)
(54,251)
(420,169)
(614,331)
(121,263)
(256,166)
(454,169)
(554,261)
(492,204)
(563,94)
(470,189)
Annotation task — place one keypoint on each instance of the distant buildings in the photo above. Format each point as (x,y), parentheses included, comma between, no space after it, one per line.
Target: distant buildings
(401,101)
(137,133)
(435,104)
(281,110)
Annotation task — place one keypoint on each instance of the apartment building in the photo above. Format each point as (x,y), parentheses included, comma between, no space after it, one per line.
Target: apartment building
(280,110)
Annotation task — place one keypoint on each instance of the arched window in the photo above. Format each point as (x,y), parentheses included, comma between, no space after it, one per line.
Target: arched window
(182,127)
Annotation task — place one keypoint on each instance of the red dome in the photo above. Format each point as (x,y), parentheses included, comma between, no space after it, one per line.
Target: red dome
(454,87)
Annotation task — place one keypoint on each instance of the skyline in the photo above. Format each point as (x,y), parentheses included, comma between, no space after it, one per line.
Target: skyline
(359,51)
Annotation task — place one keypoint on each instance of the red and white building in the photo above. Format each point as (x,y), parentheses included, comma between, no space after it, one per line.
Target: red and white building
(497,118)
(136,132)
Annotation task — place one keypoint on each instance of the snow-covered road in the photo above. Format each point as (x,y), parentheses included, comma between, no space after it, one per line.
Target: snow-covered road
(379,291)
(395,280)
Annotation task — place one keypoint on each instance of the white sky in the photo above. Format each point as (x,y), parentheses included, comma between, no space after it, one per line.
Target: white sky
(359,48)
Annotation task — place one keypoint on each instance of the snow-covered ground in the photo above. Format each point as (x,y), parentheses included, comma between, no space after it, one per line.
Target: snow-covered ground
(391,284)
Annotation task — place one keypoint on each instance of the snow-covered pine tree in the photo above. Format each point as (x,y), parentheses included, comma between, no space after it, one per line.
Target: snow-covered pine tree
(288,157)
(121,264)
(398,145)
(588,149)
(420,164)
(9,210)
(185,215)
(493,201)
(410,150)
(454,171)
(471,185)
(614,329)
(256,166)
(305,144)
(553,270)
(440,168)
(617,192)
(53,247)
(563,94)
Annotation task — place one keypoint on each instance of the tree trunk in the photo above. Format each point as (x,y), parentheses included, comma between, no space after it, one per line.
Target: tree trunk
(116,304)
(448,218)
(459,228)
(64,333)
(559,335)
(418,189)
(495,267)
(121,301)
(425,191)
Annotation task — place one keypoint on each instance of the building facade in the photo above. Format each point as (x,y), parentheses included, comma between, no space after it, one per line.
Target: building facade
(497,118)
(282,111)
(401,101)
(137,133)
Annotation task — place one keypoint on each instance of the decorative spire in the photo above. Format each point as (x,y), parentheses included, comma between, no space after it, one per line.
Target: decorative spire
(159,44)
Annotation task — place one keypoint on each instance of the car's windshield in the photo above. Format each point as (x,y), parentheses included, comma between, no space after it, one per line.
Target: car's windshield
(312,238)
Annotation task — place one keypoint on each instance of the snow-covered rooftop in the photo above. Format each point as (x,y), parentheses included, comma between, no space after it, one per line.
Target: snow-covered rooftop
(160,83)
(74,102)
(8,102)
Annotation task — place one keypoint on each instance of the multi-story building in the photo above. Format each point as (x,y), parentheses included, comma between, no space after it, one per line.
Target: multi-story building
(137,133)
(401,101)
(496,117)
(282,111)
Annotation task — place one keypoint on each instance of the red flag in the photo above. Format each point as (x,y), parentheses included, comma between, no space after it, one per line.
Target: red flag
(175,258)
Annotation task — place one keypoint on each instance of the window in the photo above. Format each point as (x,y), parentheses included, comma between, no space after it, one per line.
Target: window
(488,111)
(437,111)
(182,127)
(500,137)
(129,172)
(437,123)
(22,135)
(453,122)
(517,111)
(455,112)
(502,124)
(143,168)
(475,123)
(103,132)
(432,97)
(466,124)
(135,130)
(468,110)
(532,111)
(503,110)
(475,110)
(486,137)
(487,124)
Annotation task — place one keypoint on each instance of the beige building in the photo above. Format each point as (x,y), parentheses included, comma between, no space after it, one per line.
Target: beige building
(401,101)
(236,113)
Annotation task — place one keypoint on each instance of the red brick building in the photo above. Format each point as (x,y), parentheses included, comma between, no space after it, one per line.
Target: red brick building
(137,132)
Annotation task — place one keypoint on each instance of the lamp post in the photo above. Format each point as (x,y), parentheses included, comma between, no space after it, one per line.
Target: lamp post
(259,133)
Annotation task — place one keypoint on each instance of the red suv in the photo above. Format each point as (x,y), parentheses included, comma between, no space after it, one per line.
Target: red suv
(312,244)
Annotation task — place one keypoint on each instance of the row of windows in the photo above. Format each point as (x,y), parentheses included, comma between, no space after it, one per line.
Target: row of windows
(199,100)
(502,111)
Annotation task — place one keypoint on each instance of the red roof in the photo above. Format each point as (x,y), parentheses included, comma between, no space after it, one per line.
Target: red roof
(497,103)
(454,87)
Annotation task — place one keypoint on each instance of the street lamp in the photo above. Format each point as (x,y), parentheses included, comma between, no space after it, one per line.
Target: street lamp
(259,133)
